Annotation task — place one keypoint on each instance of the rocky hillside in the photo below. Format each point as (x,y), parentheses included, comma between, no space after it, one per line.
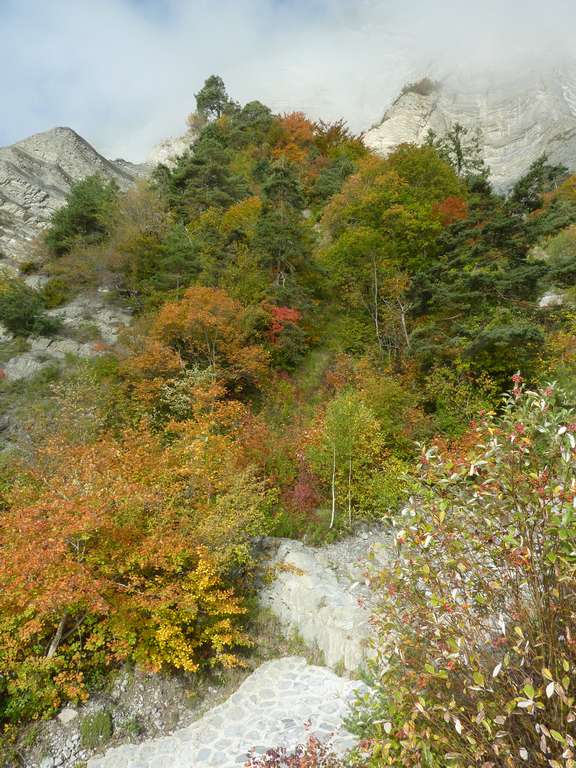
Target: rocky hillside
(35,176)
(519,118)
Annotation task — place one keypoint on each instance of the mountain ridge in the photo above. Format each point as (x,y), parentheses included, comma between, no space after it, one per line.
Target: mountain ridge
(37,173)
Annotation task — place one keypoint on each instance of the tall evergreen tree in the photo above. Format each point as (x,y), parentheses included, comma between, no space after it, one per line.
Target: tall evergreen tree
(212,100)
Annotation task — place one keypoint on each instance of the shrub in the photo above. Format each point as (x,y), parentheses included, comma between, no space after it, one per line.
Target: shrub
(477,613)
(29,267)
(126,549)
(345,444)
(22,309)
(56,292)
(206,329)
(458,397)
(84,217)
(424,87)
(312,754)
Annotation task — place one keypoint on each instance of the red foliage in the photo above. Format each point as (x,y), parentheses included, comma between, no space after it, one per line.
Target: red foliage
(281,317)
(451,209)
(313,754)
(303,495)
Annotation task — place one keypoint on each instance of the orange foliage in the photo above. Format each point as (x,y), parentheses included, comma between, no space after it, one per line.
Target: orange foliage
(330,137)
(131,537)
(296,138)
(208,329)
(451,210)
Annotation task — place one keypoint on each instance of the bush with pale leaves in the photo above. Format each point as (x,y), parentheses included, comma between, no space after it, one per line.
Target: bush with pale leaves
(477,619)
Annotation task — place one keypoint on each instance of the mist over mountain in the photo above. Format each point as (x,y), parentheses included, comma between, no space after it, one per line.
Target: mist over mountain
(517,117)
(329,58)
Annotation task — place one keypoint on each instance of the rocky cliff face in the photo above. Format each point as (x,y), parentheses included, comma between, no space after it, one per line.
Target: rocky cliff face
(167,151)
(519,118)
(35,176)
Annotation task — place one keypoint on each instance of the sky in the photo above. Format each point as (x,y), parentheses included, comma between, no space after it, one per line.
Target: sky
(123,73)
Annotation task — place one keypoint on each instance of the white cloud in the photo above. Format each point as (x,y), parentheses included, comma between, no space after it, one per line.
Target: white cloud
(123,72)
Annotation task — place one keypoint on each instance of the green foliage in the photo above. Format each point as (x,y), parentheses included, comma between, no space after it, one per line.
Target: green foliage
(212,100)
(202,178)
(22,309)
(346,445)
(96,729)
(461,147)
(458,398)
(541,177)
(56,292)
(84,218)
(560,253)
(331,179)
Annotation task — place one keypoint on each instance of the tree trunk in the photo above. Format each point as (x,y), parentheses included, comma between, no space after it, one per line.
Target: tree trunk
(57,637)
(376,303)
(403,323)
(333,518)
(350,490)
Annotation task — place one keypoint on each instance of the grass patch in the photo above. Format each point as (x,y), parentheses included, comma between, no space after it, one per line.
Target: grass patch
(96,729)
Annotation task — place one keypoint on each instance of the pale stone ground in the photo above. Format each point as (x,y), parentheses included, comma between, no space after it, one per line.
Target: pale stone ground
(322,594)
(271,708)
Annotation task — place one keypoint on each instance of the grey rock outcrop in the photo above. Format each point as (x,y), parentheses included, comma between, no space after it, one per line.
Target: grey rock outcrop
(35,176)
(518,118)
(89,311)
(322,594)
(167,151)
(551,299)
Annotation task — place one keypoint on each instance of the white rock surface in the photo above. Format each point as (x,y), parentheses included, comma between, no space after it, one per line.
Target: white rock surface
(21,367)
(67,715)
(5,334)
(551,299)
(322,595)
(269,709)
(168,150)
(519,118)
(91,308)
(35,176)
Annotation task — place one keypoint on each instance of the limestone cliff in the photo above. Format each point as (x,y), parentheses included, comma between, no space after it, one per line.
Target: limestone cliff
(168,150)
(35,176)
(519,118)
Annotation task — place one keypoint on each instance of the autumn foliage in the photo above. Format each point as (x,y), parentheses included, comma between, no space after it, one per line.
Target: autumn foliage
(306,315)
(121,549)
(206,329)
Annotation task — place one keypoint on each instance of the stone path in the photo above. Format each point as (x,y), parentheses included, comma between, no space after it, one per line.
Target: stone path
(322,594)
(269,709)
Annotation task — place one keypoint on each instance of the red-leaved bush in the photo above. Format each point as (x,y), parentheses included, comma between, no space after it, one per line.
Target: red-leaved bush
(312,754)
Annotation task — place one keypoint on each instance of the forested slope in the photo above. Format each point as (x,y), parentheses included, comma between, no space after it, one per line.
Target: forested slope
(306,315)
